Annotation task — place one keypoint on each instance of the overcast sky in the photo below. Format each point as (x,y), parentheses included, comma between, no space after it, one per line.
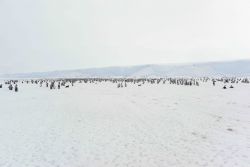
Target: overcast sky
(44,35)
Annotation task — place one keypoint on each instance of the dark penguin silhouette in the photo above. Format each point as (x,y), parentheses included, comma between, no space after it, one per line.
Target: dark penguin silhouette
(52,85)
(10,87)
(16,88)
(224,87)
(213,83)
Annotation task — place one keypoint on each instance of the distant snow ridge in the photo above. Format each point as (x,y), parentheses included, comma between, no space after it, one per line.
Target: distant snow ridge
(239,68)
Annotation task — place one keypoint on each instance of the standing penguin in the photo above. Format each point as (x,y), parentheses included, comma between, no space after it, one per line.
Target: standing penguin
(16,88)
(52,85)
(214,82)
(10,87)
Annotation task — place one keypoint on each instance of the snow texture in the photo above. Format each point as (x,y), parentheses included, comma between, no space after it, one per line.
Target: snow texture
(99,125)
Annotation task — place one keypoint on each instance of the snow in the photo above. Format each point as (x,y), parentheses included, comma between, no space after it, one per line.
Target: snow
(239,68)
(99,125)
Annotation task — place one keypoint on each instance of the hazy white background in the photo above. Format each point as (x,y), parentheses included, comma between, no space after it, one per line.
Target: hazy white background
(44,35)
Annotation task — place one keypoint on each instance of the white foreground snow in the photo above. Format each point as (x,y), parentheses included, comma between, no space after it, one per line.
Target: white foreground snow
(102,126)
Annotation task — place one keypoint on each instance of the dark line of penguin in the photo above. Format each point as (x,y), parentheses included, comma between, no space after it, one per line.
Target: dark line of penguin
(123,82)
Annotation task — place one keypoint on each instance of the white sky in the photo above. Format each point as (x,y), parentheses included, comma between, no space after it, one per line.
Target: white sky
(42,35)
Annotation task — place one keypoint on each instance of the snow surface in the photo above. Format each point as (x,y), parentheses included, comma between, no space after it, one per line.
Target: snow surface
(99,125)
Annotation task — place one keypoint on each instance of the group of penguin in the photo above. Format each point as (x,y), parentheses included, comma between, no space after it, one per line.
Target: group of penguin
(15,88)
(123,82)
(225,87)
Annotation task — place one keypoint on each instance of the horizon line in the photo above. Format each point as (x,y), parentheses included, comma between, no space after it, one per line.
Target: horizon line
(132,65)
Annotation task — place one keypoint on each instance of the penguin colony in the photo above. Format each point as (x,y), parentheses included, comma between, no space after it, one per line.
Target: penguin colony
(12,85)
